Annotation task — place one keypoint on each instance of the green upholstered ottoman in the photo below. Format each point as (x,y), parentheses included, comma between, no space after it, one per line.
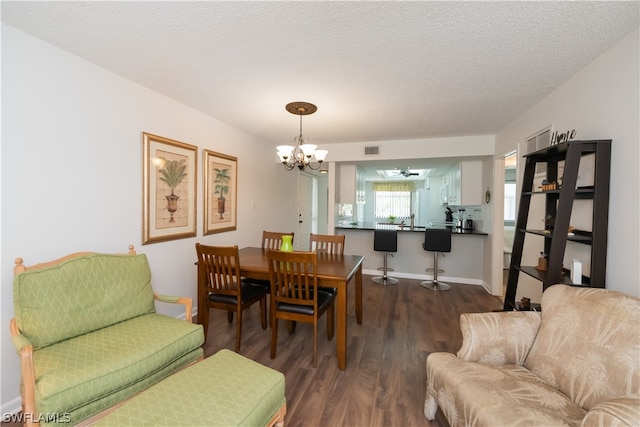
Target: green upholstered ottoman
(225,389)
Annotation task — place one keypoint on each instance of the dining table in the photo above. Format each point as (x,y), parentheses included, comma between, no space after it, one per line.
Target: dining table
(334,271)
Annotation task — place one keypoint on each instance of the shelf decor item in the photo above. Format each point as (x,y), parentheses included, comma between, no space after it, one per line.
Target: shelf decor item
(169,189)
(220,192)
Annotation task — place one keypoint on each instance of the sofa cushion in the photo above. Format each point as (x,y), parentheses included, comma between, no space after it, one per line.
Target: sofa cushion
(588,345)
(482,394)
(75,372)
(80,295)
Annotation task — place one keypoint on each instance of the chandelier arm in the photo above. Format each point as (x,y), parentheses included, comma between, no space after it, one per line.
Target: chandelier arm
(288,166)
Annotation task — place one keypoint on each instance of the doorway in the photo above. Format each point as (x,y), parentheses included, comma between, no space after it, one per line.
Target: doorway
(307,211)
(510,209)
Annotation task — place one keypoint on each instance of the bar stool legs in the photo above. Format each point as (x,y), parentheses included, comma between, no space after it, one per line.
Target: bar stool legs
(435,284)
(385,280)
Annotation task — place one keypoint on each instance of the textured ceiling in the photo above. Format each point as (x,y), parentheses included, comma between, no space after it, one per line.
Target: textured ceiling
(376,70)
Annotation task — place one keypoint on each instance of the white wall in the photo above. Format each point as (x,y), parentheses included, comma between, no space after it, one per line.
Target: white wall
(600,102)
(72,173)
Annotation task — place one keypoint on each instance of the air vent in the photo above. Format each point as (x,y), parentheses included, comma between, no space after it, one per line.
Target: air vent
(372,150)
(537,142)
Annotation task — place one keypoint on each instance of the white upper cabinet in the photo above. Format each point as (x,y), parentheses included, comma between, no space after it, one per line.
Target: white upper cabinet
(352,185)
(464,183)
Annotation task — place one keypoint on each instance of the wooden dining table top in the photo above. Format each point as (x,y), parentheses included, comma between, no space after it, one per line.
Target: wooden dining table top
(254,263)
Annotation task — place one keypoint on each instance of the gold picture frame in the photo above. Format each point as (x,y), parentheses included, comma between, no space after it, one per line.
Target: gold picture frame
(220,192)
(169,177)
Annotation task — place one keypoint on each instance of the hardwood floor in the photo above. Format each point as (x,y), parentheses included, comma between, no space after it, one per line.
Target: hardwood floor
(384,383)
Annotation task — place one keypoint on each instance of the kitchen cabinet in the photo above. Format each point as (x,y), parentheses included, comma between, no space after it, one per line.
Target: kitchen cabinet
(352,185)
(444,189)
(578,181)
(464,184)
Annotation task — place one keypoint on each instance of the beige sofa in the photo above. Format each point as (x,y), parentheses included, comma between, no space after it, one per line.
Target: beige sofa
(577,363)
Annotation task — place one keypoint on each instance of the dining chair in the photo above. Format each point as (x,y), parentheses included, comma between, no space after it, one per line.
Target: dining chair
(273,239)
(270,240)
(328,243)
(220,283)
(295,295)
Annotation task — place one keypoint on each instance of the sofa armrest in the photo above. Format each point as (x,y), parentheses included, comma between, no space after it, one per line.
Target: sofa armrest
(186,301)
(498,338)
(621,411)
(28,383)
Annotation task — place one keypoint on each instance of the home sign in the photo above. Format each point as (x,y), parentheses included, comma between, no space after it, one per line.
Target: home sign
(557,138)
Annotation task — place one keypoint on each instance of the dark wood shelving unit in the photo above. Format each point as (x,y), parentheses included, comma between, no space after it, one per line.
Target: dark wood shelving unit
(558,206)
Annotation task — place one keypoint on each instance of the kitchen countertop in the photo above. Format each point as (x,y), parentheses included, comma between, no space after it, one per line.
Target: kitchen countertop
(370,226)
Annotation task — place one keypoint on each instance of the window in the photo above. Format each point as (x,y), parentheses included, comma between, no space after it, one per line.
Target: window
(393,199)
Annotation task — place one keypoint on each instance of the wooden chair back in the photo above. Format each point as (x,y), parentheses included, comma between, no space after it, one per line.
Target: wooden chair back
(219,268)
(327,243)
(295,295)
(220,286)
(294,277)
(273,239)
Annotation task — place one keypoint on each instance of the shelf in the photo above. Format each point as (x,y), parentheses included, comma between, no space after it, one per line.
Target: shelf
(558,205)
(581,193)
(542,275)
(584,237)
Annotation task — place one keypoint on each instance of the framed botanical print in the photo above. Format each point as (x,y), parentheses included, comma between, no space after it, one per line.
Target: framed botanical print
(220,192)
(169,189)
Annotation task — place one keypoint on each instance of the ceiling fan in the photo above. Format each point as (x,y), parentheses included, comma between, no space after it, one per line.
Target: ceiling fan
(407,173)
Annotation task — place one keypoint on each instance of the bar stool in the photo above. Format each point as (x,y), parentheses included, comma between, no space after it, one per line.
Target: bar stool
(385,241)
(436,240)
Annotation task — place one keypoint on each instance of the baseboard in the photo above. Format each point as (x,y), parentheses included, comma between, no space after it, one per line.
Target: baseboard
(462,280)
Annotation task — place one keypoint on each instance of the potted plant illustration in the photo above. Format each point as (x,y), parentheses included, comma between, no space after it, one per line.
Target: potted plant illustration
(172,173)
(221,187)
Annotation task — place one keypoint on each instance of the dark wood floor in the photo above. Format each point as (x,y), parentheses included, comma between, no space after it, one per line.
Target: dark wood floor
(384,383)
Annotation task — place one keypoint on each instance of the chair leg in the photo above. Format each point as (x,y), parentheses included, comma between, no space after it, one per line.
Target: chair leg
(315,343)
(239,330)
(330,321)
(292,326)
(229,316)
(274,336)
(263,312)
(205,320)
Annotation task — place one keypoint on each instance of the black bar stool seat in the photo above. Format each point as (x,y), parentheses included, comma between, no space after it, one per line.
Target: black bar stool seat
(385,241)
(438,241)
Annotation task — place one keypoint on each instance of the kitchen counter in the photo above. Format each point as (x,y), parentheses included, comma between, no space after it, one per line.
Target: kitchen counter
(370,226)
(464,264)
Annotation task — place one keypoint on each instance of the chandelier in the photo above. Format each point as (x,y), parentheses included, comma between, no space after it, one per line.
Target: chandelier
(303,154)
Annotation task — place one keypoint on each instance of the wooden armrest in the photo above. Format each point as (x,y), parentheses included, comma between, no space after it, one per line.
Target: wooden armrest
(186,301)
(28,389)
